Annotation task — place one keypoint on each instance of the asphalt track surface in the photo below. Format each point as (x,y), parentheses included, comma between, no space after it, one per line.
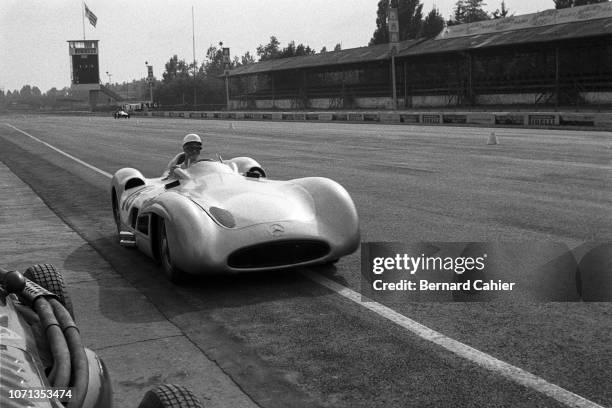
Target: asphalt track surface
(287,341)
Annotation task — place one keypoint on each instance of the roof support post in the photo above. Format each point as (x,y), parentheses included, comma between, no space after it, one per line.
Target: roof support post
(273,89)
(470,89)
(406,104)
(557,76)
(393,83)
(304,89)
(227,95)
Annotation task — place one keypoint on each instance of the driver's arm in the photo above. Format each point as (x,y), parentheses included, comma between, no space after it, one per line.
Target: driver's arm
(174,163)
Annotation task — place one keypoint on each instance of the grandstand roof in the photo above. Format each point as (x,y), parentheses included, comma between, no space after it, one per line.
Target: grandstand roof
(353,55)
(551,25)
(556,32)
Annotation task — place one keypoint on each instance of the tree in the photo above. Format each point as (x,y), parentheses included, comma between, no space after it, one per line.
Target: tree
(337,47)
(560,4)
(474,11)
(175,68)
(458,16)
(292,50)
(381,33)
(501,13)
(585,2)
(288,51)
(410,15)
(12,97)
(270,50)
(50,97)
(432,25)
(25,93)
(177,85)
(214,66)
(468,11)
(246,59)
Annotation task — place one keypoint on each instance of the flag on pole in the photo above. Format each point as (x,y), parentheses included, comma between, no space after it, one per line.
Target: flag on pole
(91,16)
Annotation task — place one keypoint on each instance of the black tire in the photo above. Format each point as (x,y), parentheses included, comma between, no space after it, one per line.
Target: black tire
(173,274)
(51,279)
(256,172)
(170,396)
(116,217)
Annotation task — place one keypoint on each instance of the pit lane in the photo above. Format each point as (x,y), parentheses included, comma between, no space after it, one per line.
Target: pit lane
(296,342)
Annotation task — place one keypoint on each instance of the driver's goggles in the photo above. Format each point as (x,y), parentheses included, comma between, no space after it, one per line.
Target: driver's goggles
(193,147)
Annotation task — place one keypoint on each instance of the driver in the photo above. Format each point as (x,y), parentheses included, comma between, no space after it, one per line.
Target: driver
(192,145)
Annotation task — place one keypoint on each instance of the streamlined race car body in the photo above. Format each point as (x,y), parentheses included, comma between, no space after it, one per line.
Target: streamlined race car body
(227,217)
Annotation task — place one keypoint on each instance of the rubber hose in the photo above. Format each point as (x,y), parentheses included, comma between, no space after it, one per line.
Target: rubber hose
(60,373)
(80,365)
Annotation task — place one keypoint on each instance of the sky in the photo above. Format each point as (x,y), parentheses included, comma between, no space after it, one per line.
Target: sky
(34,33)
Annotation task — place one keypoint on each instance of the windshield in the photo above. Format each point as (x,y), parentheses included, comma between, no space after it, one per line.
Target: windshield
(204,167)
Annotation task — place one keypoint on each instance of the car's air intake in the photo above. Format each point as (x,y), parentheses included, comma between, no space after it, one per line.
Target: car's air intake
(278,253)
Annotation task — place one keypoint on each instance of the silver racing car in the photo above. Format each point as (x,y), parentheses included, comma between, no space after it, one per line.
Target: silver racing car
(226,216)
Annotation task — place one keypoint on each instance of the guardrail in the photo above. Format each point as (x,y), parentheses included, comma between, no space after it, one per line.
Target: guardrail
(526,119)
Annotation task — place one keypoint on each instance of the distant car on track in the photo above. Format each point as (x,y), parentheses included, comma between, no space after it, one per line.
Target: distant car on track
(118,114)
(228,217)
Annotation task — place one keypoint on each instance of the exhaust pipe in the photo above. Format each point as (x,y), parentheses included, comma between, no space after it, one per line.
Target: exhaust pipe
(127,239)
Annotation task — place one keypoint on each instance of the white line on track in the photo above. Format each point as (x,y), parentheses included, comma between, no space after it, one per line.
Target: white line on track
(89,166)
(484,360)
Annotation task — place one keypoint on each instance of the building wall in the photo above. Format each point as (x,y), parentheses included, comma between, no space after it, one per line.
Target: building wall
(597,97)
(508,99)
(417,102)
(432,101)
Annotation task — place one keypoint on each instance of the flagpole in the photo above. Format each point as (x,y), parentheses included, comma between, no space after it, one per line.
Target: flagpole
(194,59)
(83,13)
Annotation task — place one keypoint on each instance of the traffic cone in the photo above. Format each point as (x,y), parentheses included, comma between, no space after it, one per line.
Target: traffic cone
(492,139)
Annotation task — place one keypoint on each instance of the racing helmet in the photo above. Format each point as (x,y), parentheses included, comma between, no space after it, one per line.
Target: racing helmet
(190,138)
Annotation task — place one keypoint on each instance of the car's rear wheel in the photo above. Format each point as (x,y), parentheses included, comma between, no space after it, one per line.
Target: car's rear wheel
(51,279)
(174,274)
(170,396)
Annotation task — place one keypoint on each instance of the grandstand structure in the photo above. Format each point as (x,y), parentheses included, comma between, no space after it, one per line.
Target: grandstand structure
(553,58)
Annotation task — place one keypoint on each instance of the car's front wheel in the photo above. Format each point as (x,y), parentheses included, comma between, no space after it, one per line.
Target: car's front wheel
(51,279)
(169,396)
(174,274)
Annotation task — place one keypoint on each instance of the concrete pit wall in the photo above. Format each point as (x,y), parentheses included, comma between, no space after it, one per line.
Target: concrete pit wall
(601,121)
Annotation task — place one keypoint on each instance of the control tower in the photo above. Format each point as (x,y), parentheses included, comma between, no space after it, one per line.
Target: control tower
(85,72)
(84,66)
